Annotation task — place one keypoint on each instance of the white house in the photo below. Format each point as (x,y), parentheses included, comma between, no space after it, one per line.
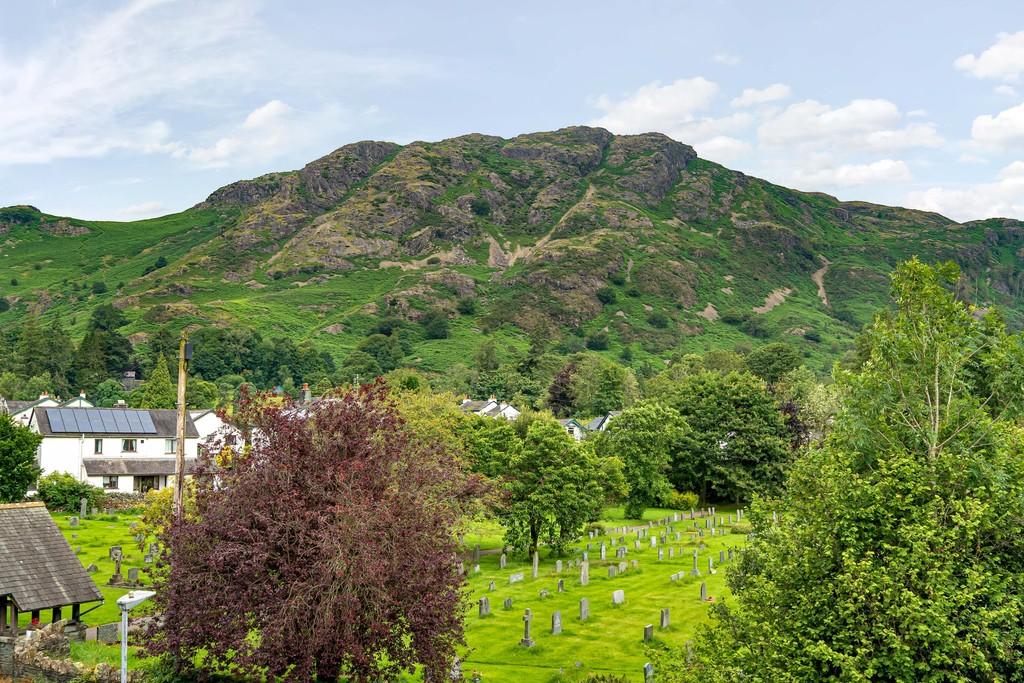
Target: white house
(490,408)
(21,411)
(600,424)
(118,449)
(574,428)
(207,422)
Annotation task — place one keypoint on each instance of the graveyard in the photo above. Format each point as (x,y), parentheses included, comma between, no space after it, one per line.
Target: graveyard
(646,568)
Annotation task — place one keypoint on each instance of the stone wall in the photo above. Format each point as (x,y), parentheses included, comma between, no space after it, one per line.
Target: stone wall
(46,657)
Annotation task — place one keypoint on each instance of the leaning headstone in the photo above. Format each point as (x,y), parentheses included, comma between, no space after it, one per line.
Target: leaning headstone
(83,507)
(556,623)
(618,597)
(664,617)
(73,522)
(485,607)
(507,604)
(561,585)
(536,563)
(502,561)
(584,573)
(703,591)
(584,609)
(516,578)
(648,633)
(527,641)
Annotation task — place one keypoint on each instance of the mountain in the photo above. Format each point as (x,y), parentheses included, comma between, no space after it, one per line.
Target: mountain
(573,235)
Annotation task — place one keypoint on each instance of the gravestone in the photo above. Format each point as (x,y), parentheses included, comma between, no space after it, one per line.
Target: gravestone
(154,548)
(620,552)
(544,594)
(604,552)
(108,633)
(148,559)
(73,522)
(703,591)
(694,571)
(558,566)
(586,556)
(648,673)
(664,617)
(527,641)
(536,563)
(711,566)
(634,563)
(648,633)
(654,541)
(561,585)
(92,569)
(618,597)
(476,569)
(461,568)
(730,554)
(485,607)
(516,578)
(721,557)
(133,575)
(671,552)
(622,566)
(556,623)
(83,507)
(679,536)
(661,554)
(584,573)
(476,554)
(636,545)
(502,561)
(490,586)
(132,525)
(508,603)
(584,609)
(612,571)
(614,542)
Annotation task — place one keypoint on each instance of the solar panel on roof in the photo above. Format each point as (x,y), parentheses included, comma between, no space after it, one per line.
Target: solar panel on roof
(147,422)
(95,422)
(133,420)
(72,421)
(56,424)
(109,426)
(122,422)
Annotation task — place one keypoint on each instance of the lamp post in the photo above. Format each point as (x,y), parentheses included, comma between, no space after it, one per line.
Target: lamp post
(126,602)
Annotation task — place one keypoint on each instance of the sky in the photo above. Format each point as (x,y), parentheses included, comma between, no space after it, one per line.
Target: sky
(134,109)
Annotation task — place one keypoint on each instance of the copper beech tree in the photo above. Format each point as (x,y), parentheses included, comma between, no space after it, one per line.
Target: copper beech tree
(324,547)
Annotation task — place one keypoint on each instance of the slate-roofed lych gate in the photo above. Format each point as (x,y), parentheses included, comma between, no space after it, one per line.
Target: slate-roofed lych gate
(38,569)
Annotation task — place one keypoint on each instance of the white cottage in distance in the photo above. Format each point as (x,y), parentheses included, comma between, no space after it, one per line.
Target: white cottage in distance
(21,411)
(489,408)
(117,449)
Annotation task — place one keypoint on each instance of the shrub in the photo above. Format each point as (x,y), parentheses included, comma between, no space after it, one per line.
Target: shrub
(61,491)
(742,527)
(634,293)
(433,260)
(4,305)
(755,328)
(597,341)
(481,207)
(680,500)
(618,279)
(466,306)
(435,325)
(734,317)
(37,266)
(657,319)
(812,336)
(14,282)
(606,295)
(99,287)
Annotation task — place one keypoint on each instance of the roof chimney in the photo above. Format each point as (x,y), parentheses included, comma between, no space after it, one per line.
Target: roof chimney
(307,396)
(81,394)
(121,403)
(45,394)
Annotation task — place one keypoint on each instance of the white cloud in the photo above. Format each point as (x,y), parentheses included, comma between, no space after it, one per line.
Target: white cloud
(1002,198)
(917,113)
(268,132)
(1005,128)
(723,148)
(1003,61)
(657,107)
(142,210)
(913,135)
(727,58)
(752,96)
(1006,91)
(93,88)
(852,175)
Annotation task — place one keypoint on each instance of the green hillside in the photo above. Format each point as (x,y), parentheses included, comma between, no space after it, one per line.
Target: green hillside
(576,236)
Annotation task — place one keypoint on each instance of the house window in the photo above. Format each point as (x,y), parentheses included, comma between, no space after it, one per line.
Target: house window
(109,482)
(170,445)
(143,484)
(97,446)
(128,445)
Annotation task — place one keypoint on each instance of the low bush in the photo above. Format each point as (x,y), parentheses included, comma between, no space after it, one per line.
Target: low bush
(680,500)
(61,491)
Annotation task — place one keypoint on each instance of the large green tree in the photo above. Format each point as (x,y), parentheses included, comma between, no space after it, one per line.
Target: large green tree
(18,469)
(739,445)
(158,392)
(553,488)
(646,437)
(898,555)
(600,385)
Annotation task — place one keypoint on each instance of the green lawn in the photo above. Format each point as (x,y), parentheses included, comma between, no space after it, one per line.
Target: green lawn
(610,641)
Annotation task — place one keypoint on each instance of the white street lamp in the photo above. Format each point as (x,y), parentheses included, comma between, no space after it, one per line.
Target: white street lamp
(126,602)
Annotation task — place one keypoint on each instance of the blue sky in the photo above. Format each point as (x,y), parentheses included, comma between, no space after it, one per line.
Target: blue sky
(123,110)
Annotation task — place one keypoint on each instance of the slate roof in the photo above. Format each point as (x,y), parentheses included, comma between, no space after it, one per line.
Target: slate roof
(165,421)
(99,467)
(39,569)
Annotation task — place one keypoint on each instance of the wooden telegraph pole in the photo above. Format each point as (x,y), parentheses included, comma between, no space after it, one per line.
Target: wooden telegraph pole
(184,354)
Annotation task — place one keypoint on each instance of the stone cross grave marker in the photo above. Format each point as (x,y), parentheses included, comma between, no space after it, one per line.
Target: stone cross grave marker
(694,571)
(527,641)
